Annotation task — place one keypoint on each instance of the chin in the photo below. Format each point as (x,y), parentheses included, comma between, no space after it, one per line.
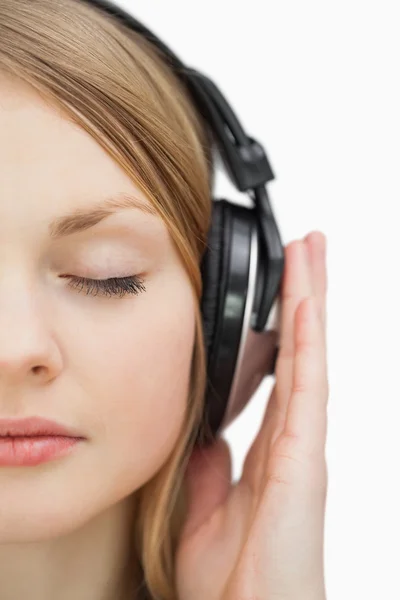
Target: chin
(31,512)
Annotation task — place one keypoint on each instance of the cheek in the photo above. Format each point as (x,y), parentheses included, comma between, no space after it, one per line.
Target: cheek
(143,381)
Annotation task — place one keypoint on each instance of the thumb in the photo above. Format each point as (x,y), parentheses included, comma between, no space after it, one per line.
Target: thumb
(208,482)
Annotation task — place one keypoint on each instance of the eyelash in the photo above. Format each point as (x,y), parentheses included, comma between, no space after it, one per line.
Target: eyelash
(109,287)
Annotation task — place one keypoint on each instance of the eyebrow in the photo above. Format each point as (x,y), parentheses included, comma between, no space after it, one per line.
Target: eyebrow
(83,218)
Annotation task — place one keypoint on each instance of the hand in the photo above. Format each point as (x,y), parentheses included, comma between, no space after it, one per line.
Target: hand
(262,538)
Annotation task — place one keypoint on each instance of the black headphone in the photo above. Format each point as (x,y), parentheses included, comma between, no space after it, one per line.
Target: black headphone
(242,268)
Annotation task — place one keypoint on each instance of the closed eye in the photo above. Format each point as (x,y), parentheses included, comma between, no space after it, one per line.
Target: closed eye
(114,286)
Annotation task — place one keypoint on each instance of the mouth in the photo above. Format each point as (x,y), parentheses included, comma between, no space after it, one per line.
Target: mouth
(30,451)
(35,427)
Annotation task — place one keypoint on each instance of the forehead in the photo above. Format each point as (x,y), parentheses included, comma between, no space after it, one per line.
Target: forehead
(35,132)
(43,154)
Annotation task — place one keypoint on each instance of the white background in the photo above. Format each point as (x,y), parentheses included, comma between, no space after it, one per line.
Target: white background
(317,83)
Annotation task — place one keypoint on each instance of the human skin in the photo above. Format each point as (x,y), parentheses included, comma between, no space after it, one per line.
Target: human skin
(263,537)
(116,369)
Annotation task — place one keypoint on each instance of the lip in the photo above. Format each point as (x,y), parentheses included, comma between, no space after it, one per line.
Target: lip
(34,427)
(31,451)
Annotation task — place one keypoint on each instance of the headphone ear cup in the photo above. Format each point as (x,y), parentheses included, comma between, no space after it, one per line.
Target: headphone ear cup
(225,271)
(234,273)
(214,271)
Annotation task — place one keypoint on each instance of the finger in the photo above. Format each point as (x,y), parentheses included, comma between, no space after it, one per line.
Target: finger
(306,416)
(254,466)
(316,246)
(297,284)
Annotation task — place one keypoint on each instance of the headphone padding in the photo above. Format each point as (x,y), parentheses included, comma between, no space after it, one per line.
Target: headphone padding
(212,269)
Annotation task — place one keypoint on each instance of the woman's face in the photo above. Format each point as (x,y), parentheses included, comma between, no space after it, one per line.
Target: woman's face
(116,369)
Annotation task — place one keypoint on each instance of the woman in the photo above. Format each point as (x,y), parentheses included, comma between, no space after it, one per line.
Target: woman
(131,508)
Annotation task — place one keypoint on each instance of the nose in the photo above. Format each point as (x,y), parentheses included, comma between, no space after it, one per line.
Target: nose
(27,345)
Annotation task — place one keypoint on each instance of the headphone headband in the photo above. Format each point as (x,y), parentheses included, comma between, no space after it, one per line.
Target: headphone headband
(244,158)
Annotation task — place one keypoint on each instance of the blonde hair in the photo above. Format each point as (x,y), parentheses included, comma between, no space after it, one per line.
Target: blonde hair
(118,87)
